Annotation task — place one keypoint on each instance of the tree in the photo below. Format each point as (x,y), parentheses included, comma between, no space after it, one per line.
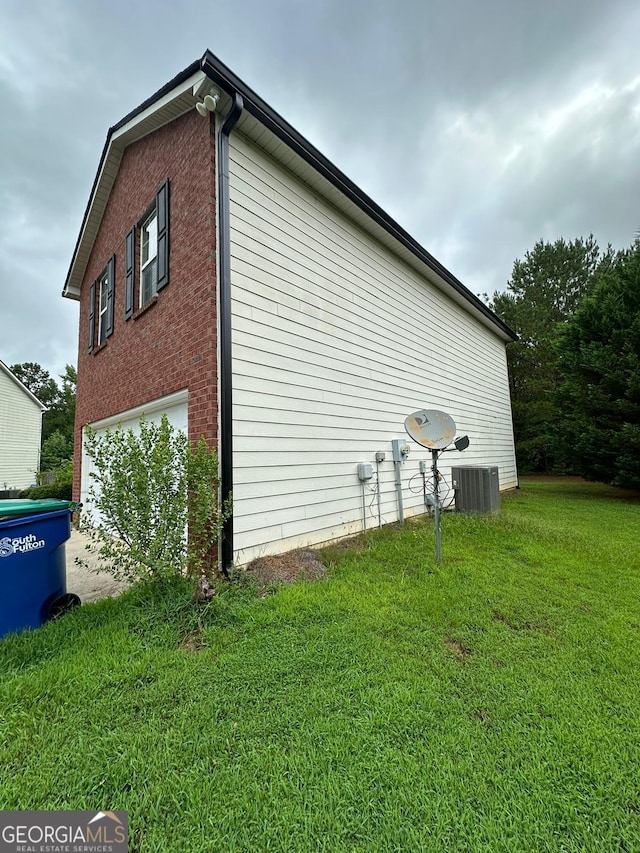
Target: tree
(62,412)
(56,449)
(599,363)
(543,293)
(38,381)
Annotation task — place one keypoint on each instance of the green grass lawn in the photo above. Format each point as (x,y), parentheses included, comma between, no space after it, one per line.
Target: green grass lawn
(491,703)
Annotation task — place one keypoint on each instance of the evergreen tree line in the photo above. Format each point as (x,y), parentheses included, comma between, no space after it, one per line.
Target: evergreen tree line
(574,372)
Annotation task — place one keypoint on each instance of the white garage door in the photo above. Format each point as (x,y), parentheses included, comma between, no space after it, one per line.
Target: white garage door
(175,408)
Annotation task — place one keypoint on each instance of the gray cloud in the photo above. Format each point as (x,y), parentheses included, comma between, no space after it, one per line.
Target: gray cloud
(479,127)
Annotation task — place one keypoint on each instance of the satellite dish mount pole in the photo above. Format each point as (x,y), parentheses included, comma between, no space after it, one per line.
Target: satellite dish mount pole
(435,430)
(436,503)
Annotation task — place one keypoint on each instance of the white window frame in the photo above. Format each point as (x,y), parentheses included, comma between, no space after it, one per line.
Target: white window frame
(103,305)
(152,258)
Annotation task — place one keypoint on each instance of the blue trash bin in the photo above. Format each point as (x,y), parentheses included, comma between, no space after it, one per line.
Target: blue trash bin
(33,579)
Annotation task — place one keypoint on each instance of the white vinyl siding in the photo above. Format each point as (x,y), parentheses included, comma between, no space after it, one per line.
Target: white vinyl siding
(20,432)
(335,341)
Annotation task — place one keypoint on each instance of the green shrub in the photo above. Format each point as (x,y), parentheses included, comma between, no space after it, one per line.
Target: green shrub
(62,491)
(60,487)
(147,487)
(206,515)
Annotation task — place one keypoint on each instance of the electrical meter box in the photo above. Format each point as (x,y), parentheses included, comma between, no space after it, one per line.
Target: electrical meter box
(400,450)
(477,489)
(365,470)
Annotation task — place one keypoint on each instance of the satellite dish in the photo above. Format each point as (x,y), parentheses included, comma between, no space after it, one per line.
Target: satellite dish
(430,428)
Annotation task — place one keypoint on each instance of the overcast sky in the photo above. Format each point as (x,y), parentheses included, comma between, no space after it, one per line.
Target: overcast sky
(479,126)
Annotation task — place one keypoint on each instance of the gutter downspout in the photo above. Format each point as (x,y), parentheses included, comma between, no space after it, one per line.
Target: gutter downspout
(224,310)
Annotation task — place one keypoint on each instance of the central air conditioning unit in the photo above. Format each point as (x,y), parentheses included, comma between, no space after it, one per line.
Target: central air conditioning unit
(477,489)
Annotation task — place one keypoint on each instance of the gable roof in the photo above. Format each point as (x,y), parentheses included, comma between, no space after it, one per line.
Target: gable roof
(22,386)
(281,140)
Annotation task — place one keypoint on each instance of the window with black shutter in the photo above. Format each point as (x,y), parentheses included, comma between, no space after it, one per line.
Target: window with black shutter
(103,295)
(101,300)
(106,294)
(152,236)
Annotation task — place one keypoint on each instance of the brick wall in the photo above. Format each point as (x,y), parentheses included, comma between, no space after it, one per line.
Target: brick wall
(172,344)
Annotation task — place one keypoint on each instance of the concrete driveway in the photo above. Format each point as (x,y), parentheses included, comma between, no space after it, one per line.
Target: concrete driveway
(87,583)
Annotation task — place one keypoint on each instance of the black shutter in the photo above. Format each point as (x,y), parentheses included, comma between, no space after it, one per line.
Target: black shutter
(111,286)
(92,315)
(130,272)
(162,211)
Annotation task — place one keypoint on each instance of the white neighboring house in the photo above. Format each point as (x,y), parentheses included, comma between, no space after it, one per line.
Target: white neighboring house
(20,432)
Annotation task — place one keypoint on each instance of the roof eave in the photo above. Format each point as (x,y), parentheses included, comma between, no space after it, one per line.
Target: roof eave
(117,139)
(122,133)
